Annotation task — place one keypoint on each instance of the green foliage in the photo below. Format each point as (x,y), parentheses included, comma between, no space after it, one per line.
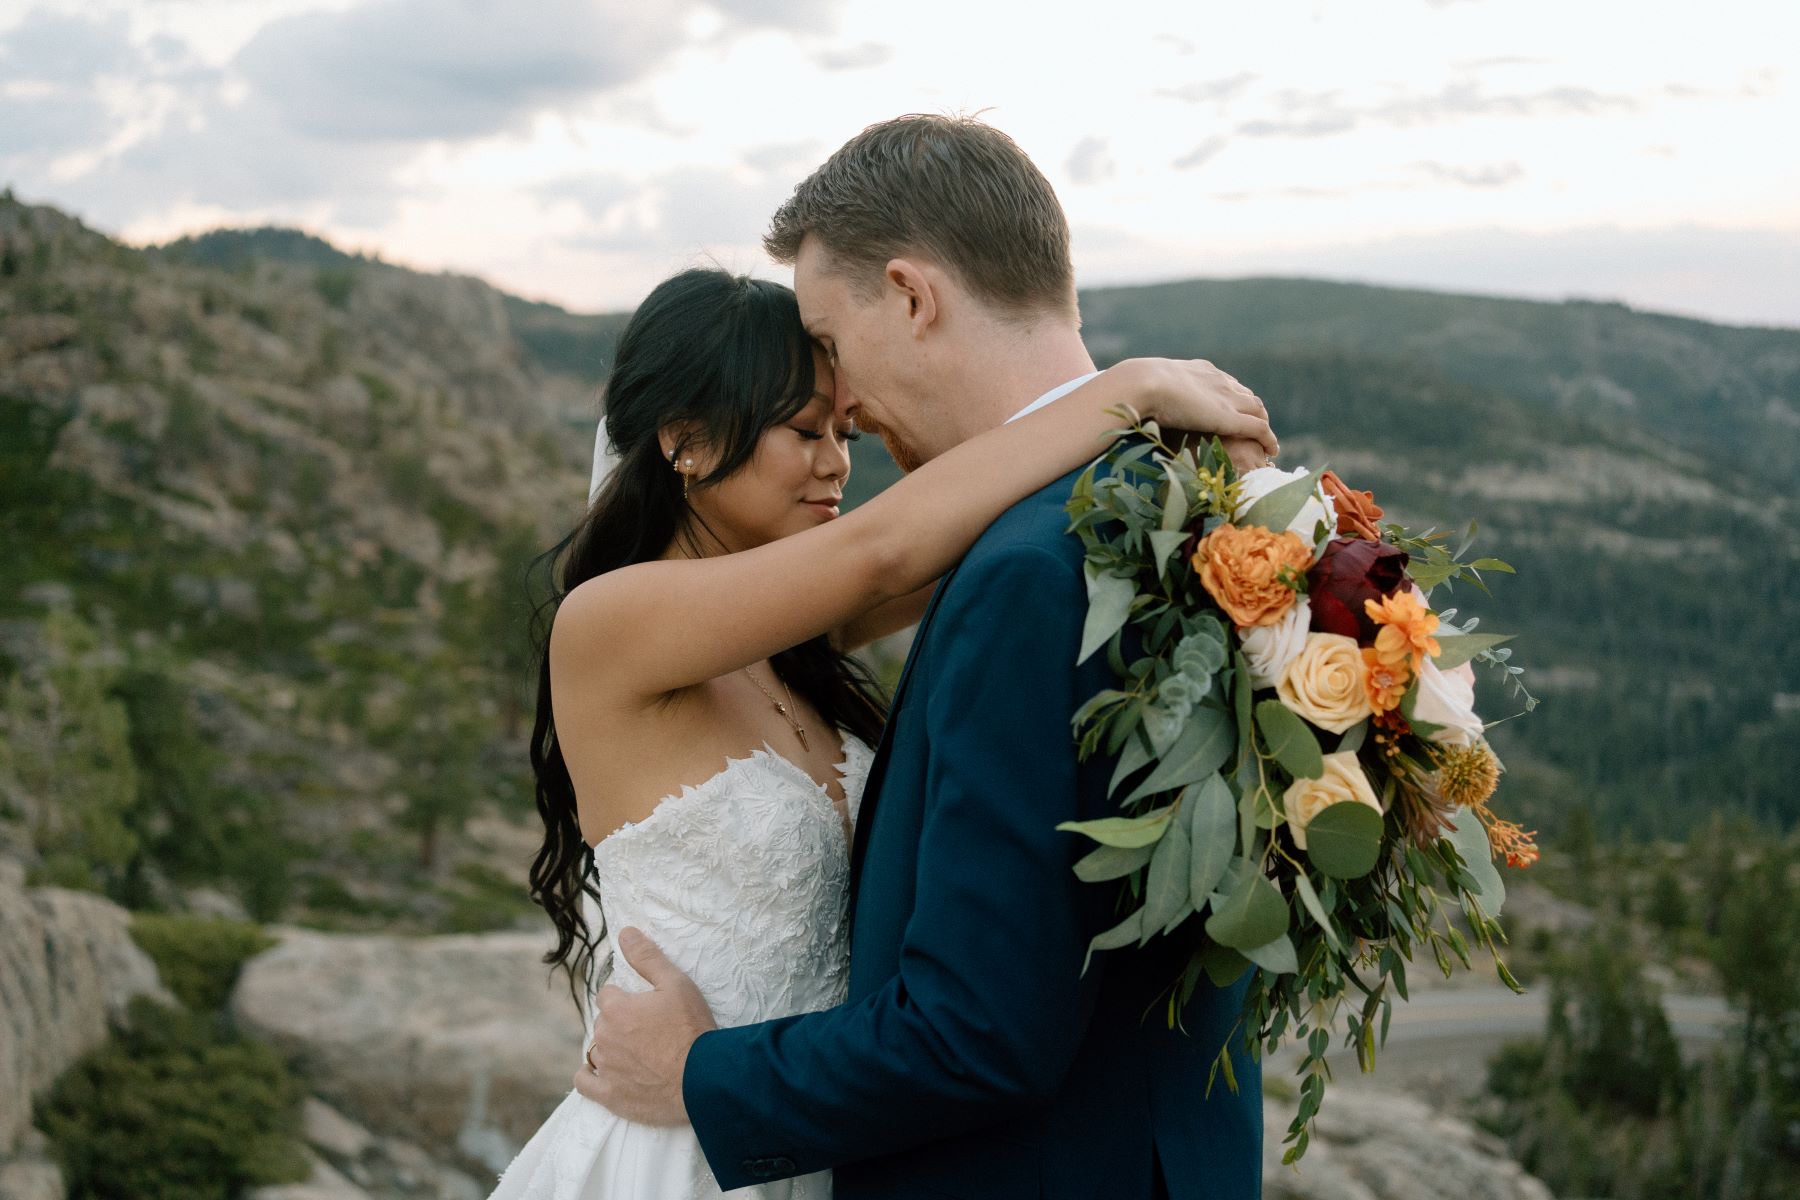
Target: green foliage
(1603,1103)
(175,1107)
(436,731)
(334,285)
(66,748)
(198,958)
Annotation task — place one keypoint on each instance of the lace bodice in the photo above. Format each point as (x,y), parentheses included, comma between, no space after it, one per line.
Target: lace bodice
(743,880)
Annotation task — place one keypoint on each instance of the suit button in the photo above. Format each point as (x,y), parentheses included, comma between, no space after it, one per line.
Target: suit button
(758,1167)
(782,1165)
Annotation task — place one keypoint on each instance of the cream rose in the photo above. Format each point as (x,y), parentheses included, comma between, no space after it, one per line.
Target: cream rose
(1447,698)
(1324,682)
(1254,485)
(1343,781)
(1268,649)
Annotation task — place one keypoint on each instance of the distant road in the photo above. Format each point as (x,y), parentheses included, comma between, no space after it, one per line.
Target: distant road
(1498,1012)
(1447,1034)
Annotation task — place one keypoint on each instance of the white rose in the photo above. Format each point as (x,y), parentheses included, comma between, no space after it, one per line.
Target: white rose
(1447,698)
(1342,782)
(1254,485)
(1268,649)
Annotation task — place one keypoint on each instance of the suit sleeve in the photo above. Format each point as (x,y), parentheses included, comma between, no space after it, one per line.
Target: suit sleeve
(989,1006)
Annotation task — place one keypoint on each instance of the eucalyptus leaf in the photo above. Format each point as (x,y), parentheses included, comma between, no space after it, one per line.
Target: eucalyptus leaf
(1112,862)
(1251,914)
(1290,741)
(1202,746)
(1213,834)
(1123,934)
(1166,886)
(1127,833)
(1471,842)
(1163,723)
(1277,509)
(1222,964)
(1353,737)
(1163,543)
(1175,507)
(1134,757)
(1344,839)
(1200,654)
(1429,574)
(1109,604)
(1277,956)
(1457,649)
(1240,703)
(1095,703)
(1263,811)
(1310,899)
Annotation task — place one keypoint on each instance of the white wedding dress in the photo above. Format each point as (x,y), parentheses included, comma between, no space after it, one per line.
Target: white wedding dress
(743,880)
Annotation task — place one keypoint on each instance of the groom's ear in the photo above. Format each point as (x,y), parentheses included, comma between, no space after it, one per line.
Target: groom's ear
(918,287)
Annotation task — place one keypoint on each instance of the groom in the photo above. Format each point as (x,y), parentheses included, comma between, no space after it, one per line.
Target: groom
(972,1057)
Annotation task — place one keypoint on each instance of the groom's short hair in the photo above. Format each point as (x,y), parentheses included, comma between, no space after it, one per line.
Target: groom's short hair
(952,187)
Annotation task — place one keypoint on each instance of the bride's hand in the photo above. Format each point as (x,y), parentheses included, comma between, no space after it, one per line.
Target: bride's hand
(1193,395)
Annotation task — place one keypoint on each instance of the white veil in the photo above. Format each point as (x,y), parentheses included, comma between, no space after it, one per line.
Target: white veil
(606,461)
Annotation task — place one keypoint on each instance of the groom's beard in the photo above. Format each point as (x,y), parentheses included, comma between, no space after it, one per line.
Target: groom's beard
(903,455)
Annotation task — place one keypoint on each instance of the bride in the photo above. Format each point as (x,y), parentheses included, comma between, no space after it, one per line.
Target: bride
(702,734)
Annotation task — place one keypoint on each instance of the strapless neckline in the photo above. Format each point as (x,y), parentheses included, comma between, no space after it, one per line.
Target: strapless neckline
(853,748)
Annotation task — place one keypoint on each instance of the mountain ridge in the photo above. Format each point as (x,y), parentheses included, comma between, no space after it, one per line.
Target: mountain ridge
(308,483)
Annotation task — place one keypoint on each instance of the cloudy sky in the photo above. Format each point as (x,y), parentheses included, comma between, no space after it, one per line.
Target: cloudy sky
(579,150)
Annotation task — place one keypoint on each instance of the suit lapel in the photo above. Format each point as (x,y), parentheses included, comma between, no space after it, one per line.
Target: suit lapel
(878,766)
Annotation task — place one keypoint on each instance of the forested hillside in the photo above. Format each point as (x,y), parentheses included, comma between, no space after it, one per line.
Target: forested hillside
(267,505)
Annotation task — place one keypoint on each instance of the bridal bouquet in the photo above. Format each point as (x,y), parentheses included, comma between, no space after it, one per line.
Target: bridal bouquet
(1303,782)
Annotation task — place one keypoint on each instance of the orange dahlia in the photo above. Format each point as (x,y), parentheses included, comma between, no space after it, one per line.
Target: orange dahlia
(1386,682)
(1406,629)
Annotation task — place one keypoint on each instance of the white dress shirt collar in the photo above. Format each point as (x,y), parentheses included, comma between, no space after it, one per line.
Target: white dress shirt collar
(1053,394)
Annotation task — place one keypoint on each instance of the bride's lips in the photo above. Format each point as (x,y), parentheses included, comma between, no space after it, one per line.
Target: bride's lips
(825,508)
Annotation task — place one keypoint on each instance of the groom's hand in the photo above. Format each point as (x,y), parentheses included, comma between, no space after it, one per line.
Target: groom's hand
(1246,454)
(641,1039)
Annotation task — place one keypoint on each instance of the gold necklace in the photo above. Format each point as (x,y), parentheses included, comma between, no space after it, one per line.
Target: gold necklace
(781,708)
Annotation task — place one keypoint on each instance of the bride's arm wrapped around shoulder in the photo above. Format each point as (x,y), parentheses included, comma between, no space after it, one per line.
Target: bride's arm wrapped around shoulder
(758,602)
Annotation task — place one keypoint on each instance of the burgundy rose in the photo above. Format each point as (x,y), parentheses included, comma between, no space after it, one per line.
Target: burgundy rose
(1347,572)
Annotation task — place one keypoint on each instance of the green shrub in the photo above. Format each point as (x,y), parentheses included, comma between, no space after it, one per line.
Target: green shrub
(175,1107)
(335,284)
(198,957)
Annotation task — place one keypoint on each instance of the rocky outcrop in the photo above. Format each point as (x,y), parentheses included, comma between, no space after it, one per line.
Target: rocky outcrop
(67,964)
(1373,1145)
(351,1163)
(460,1044)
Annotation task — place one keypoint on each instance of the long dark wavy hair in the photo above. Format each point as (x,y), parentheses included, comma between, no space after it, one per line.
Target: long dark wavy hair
(728,355)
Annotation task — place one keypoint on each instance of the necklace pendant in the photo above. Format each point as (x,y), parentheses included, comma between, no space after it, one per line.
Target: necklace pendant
(802,734)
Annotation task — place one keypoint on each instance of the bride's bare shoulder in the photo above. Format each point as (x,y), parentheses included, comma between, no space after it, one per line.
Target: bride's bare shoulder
(599,611)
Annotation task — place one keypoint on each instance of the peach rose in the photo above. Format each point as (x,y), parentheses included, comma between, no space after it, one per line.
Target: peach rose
(1357,511)
(1240,567)
(1343,782)
(1324,683)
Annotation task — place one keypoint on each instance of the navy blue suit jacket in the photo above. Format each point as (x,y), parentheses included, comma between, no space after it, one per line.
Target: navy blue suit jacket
(972,1058)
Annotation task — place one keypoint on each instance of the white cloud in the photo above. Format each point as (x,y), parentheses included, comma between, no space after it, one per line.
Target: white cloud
(415,70)
(1089,161)
(578,151)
